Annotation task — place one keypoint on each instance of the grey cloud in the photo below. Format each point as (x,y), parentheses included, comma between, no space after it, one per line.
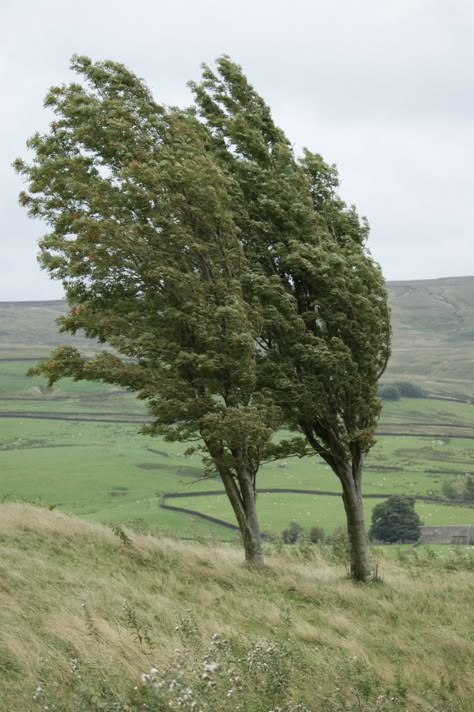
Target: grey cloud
(383,89)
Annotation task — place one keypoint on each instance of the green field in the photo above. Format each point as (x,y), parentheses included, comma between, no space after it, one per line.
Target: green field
(90,461)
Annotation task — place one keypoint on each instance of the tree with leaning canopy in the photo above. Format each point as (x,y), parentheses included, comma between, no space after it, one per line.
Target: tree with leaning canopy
(143,237)
(230,278)
(325,340)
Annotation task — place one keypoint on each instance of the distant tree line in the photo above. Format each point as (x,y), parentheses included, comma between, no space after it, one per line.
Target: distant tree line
(400,389)
(294,532)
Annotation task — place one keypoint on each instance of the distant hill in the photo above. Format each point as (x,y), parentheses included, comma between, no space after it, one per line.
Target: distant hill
(433,333)
(29,329)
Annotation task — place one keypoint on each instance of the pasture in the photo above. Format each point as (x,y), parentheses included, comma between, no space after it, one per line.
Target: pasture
(77,448)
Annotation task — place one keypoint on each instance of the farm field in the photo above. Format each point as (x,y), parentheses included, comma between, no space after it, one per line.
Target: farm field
(78,448)
(278,510)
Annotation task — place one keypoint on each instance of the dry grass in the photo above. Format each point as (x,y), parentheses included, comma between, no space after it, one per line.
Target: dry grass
(74,591)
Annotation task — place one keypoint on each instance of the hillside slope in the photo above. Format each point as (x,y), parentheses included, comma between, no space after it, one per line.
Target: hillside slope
(96,620)
(29,329)
(433,333)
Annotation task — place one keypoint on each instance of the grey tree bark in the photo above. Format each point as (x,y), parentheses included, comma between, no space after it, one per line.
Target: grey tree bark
(243,503)
(351,478)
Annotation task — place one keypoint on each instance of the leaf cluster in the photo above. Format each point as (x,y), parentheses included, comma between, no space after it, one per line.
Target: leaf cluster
(143,237)
(326,332)
(229,278)
(395,520)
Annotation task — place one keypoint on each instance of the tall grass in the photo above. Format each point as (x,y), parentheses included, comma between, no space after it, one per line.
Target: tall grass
(97,620)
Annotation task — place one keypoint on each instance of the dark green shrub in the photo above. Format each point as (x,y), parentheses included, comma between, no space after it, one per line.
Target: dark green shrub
(395,520)
(316,535)
(389,393)
(409,390)
(292,533)
(449,490)
(339,545)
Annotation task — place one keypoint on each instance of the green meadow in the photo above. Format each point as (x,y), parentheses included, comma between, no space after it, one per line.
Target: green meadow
(77,447)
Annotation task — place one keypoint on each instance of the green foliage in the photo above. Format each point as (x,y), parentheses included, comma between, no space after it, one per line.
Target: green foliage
(292,533)
(231,281)
(468,493)
(139,631)
(316,535)
(325,338)
(122,535)
(326,332)
(395,520)
(449,490)
(389,392)
(409,390)
(144,239)
(339,545)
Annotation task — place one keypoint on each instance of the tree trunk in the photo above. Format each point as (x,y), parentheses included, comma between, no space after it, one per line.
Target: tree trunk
(348,468)
(251,532)
(245,510)
(352,498)
(241,494)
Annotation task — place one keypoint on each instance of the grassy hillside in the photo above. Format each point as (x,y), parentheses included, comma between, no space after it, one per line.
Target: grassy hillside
(433,333)
(77,447)
(433,326)
(123,620)
(93,620)
(29,330)
(108,472)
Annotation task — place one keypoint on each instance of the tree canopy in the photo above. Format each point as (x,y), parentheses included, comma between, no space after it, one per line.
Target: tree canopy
(326,331)
(231,281)
(395,520)
(143,238)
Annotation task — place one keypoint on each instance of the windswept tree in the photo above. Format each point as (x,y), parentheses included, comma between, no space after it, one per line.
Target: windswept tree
(230,279)
(144,239)
(325,340)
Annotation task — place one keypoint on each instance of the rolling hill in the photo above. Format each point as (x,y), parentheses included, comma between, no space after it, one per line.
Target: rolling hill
(29,329)
(433,333)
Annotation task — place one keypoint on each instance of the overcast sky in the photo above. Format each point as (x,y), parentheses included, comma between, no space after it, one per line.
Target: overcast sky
(382,88)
